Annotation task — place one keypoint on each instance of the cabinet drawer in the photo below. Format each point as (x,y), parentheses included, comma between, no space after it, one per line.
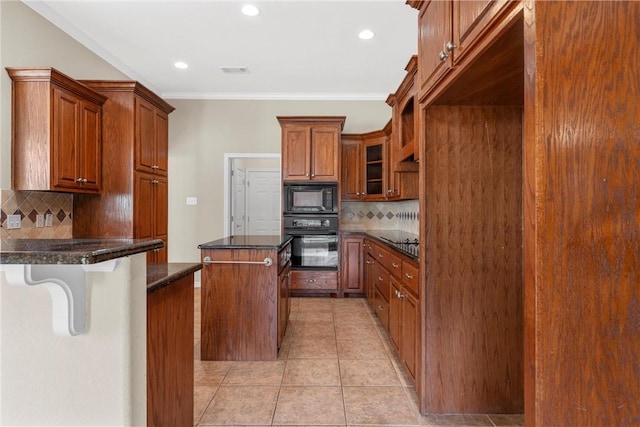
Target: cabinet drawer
(410,276)
(314,280)
(389,260)
(381,280)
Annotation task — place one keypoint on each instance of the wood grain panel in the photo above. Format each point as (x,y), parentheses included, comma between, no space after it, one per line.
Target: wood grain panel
(587,293)
(239,306)
(170,354)
(473,319)
(111,215)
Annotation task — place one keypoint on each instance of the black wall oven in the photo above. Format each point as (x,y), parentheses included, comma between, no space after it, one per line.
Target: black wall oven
(315,241)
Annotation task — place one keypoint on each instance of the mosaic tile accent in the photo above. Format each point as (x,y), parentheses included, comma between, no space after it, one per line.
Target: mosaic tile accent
(30,204)
(403,216)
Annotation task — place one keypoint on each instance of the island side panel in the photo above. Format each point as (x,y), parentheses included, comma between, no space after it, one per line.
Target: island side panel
(239,306)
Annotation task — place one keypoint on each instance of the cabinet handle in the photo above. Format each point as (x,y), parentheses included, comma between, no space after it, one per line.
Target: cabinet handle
(408,276)
(442,55)
(395,265)
(380,307)
(306,174)
(450,46)
(208,260)
(155,181)
(380,279)
(155,167)
(81,180)
(380,256)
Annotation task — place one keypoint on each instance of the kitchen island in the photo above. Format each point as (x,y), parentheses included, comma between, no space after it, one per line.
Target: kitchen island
(244,297)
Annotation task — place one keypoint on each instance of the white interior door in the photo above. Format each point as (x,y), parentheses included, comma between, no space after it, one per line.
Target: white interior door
(238,205)
(263,202)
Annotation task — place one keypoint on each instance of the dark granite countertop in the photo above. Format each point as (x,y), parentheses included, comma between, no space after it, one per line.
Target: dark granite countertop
(71,251)
(161,275)
(275,241)
(388,237)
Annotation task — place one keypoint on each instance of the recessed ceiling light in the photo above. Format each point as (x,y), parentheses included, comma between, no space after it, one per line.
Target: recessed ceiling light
(250,10)
(181,65)
(366,34)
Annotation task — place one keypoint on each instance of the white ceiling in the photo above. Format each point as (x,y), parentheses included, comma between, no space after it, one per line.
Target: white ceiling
(295,49)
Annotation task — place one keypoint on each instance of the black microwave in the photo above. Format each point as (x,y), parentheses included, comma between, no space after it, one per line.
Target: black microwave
(309,198)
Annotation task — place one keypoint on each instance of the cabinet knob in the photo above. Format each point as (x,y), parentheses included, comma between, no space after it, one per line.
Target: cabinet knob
(380,279)
(443,55)
(380,256)
(155,181)
(380,307)
(408,276)
(81,180)
(449,46)
(395,265)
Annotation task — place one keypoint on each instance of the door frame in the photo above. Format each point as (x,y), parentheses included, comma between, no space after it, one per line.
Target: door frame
(228,167)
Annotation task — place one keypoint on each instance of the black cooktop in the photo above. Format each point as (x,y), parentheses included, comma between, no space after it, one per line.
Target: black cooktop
(398,237)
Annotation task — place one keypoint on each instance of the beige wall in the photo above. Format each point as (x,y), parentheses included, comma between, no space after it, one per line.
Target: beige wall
(28,40)
(201,131)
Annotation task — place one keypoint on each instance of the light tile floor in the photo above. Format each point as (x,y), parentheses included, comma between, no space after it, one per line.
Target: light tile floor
(335,368)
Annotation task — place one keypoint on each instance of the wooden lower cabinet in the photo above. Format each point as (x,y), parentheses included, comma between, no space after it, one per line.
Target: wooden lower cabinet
(151,205)
(369,271)
(284,304)
(170,354)
(409,332)
(381,307)
(351,266)
(391,286)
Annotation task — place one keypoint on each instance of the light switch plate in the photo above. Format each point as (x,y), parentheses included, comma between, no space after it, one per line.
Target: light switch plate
(192,200)
(39,220)
(48,220)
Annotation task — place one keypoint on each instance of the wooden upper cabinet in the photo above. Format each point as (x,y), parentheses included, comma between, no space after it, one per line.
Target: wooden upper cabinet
(325,153)
(311,148)
(56,132)
(449,30)
(296,153)
(404,136)
(434,32)
(375,165)
(470,20)
(134,198)
(351,179)
(151,138)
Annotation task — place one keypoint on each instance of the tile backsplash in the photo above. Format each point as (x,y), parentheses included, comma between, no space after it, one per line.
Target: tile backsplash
(403,216)
(30,204)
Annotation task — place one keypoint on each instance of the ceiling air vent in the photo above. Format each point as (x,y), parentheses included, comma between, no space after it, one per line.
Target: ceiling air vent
(235,70)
